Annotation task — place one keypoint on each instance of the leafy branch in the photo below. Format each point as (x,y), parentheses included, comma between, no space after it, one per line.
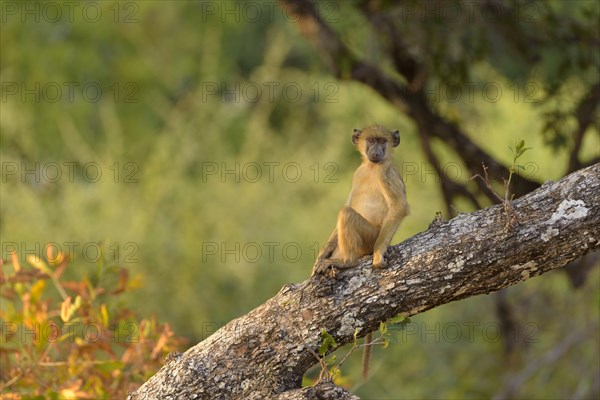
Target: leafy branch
(517,152)
(384,339)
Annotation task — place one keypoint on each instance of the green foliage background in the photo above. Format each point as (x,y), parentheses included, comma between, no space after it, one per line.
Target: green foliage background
(159,124)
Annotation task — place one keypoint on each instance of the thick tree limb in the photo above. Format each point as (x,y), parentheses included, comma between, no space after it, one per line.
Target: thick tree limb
(265,353)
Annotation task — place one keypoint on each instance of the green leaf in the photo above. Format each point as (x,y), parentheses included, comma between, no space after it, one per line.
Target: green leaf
(397,319)
(382,328)
(521,145)
(328,342)
(37,262)
(398,323)
(520,149)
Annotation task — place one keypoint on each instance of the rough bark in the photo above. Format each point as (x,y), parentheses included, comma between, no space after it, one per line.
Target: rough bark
(265,353)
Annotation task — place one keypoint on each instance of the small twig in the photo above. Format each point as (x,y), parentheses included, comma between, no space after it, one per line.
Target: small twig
(486,182)
(509,212)
(12,380)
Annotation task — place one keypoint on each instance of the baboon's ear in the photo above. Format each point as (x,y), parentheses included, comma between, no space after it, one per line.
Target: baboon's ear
(396,138)
(355,136)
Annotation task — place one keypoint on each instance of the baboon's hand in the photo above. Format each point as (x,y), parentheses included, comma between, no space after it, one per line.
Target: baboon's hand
(325,267)
(330,266)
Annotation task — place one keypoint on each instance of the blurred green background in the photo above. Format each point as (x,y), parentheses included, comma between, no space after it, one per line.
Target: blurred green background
(209,152)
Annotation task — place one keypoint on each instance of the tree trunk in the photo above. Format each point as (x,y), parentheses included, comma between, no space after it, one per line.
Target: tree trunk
(265,353)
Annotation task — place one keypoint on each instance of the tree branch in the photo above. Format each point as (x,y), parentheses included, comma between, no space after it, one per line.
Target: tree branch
(450,189)
(265,353)
(586,114)
(514,382)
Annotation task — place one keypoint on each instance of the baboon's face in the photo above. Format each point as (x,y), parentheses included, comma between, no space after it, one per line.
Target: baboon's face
(376,148)
(374,142)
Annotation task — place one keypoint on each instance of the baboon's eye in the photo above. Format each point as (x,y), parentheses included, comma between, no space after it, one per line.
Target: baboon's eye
(371,140)
(381,140)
